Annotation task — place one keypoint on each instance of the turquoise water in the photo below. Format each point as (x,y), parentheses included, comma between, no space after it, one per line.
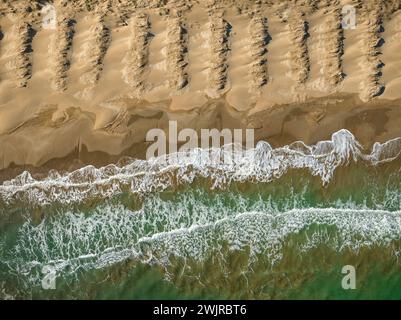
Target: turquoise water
(186,232)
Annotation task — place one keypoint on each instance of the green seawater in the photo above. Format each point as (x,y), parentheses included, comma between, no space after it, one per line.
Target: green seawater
(284,239)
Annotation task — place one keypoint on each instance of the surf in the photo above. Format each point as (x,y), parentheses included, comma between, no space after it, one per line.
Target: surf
(260,164)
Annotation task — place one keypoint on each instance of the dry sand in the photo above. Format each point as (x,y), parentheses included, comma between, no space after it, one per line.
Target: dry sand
(87,84)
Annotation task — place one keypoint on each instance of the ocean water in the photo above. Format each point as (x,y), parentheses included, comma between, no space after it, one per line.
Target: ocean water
(269,224)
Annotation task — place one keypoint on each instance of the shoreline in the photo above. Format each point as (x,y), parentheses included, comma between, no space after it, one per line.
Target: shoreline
(375,121)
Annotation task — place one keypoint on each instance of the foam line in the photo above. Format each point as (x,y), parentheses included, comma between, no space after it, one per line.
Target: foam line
(261,164)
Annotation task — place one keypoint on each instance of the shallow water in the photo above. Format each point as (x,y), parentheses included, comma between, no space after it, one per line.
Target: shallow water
(276,223)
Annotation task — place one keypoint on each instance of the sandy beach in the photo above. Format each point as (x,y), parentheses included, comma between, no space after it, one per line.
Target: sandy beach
(81,82)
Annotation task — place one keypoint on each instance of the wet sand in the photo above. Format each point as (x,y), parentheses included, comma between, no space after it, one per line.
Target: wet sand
(310,122)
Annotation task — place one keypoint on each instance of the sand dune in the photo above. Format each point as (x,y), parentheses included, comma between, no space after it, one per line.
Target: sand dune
(59,53)
(136,59)
(99,74)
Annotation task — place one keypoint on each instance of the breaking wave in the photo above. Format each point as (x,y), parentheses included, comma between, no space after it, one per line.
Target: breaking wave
(191,228)
(261,232)
(222,166)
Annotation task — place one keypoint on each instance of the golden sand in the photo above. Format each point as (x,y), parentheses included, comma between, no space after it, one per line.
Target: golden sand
(90,85)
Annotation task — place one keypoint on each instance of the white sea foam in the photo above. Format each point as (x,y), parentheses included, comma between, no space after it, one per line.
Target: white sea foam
(75,242)
(261,164)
